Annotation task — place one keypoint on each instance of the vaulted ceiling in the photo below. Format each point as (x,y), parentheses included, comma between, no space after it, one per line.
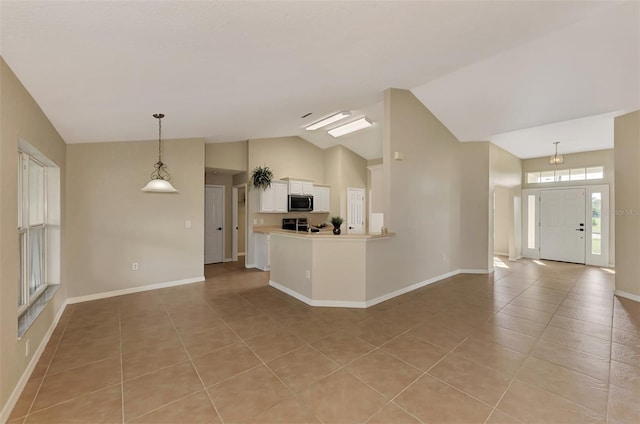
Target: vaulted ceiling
(509,72)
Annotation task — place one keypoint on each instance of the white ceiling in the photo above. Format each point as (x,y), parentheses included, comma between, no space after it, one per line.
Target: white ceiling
(236,70)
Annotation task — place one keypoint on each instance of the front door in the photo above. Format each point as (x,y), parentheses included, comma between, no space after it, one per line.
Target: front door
(562,225)
(355,210)
(213,224)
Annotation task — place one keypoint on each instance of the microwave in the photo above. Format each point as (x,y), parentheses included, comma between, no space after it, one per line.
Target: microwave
(300,203)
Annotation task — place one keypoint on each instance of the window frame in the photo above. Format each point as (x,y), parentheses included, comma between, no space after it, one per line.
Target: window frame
(24,232)
(536,177)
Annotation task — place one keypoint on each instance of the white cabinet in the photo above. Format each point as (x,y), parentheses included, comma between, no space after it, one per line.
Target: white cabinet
(300,187)
(262,247)
(321,199)
(274,198)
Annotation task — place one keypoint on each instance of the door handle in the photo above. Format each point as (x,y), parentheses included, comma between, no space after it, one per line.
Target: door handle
(579,229)
(219,228)
(351,228)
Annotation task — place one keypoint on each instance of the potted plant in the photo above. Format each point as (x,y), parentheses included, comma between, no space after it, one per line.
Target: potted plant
(336,221)
(261,177)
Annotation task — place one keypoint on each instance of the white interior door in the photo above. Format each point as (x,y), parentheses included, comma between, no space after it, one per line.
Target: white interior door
(355,210)
(562,225)
(213,224)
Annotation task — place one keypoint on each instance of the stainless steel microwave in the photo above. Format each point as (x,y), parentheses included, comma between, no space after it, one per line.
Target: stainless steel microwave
(300,203)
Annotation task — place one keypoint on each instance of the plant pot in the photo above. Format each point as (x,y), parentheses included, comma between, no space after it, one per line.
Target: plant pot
(336,231)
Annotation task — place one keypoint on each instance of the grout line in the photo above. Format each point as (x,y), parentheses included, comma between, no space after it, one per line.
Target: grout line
(193,365)
(46,371)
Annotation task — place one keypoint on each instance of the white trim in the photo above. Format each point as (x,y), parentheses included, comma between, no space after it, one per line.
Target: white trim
(368,303)
(240,253)
(325,303)
(626,295)
(500,254)
(410,288)
(475,271)
(227,260)
(26,375)
(138,289)
(249,265)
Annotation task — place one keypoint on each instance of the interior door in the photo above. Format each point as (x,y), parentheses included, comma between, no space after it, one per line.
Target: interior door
(355,210)
(562,225)
(213,224)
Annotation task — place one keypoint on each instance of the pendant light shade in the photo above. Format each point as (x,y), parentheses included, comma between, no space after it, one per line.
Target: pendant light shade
(160,176)
(556,159)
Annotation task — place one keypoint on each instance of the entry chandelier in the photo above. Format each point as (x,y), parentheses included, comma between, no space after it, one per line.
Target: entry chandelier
(160,176)
(556,159)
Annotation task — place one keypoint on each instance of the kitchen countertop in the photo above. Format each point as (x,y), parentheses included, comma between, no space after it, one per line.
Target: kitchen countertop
(324,233)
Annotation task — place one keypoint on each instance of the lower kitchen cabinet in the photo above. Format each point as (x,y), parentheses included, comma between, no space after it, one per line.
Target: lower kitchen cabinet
(263,260)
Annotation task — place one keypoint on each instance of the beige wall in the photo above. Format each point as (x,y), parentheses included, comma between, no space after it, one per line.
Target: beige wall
(21,117)
(505,170)
(343,169)
(115,224)
(231,156)
(423,193)
(501,221)
(225,180)
(474,205)
(627,210)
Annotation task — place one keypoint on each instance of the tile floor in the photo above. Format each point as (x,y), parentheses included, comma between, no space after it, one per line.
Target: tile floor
(535,342)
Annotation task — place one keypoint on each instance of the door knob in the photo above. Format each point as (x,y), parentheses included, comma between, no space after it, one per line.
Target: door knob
(219,228)
(579,229)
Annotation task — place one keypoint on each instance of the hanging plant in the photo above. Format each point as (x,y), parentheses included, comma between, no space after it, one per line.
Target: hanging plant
(261,177)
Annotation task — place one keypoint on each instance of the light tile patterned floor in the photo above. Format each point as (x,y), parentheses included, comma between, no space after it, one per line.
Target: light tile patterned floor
(536,342)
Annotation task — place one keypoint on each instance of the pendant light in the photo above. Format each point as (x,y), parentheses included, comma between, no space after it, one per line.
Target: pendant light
(556,159)
(159,177)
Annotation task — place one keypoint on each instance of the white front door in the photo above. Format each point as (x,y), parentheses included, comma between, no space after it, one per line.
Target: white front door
(562,225)
(213,224)
(355,210)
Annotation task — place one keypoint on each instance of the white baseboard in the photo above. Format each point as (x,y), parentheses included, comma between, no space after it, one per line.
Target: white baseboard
(138,289)
(627,295)
(249,265)
(410,288)
(227,260)
(26,375)
(474,271)
(324,303)
(365,304)
(500,254)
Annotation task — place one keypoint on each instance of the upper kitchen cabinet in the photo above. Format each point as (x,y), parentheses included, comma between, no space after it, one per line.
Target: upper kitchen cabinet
(321,198)
(274,198)
(300,186)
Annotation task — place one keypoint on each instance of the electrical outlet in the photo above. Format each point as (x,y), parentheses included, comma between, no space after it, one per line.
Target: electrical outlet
(134,266)
(187,224)
(26,348)
(308,274)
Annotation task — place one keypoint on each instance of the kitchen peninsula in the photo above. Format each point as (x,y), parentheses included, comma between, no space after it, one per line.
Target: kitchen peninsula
(322,269)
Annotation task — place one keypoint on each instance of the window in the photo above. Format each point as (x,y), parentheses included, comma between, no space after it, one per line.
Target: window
(560,175)
(531,221)
(596,223)
(595,173)
(32,229)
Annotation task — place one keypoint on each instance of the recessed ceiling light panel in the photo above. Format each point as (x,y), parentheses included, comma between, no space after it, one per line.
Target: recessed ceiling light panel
(350,127)
(328,120)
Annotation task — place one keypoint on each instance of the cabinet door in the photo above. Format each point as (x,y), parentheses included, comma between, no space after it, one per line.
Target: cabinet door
(321,199)
(295,187)
(307,187)
(281,201)
(268,199)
